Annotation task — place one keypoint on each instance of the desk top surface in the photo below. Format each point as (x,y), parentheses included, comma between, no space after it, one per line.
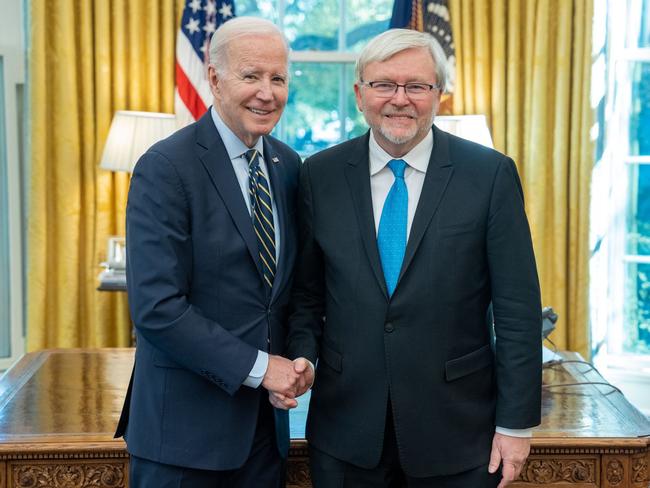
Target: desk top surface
(75,395)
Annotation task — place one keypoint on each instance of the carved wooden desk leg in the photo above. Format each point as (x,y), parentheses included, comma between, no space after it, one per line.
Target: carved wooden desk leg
(298,468)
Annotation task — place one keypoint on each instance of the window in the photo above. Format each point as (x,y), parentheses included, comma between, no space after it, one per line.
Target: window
(620,212)
(325,38)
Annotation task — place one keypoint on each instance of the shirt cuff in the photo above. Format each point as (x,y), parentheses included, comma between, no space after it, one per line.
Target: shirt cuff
(313,371)
(258,371)
(515,432)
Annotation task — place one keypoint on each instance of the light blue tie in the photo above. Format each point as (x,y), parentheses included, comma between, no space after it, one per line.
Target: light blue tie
(391,237)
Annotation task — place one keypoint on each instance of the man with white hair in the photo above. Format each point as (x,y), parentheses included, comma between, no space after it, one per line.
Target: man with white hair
(210,251)
(407,234)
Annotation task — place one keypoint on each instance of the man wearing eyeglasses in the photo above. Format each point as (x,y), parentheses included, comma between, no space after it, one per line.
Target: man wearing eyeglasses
(407,234)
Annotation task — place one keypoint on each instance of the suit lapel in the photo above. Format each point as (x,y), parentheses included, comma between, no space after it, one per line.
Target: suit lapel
(357,173)
(439,173)
(215,158)
(278,190)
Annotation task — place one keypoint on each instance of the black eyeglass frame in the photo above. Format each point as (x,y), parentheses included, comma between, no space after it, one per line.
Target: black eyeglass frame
(396,86)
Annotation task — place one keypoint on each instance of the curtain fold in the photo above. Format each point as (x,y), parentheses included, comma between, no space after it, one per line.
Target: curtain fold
(87,60)
(526,65)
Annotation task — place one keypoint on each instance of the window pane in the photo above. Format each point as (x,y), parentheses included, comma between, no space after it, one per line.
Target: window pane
(638,213)
(639,35)
(640,109)
(315,24)
(355,122)
(637,309)
(257,8)
(312,24)
(320,97)
(5,322)
(366,19)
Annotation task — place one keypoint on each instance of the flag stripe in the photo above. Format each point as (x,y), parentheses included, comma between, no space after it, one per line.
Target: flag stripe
(199,21)
(194,67)
(430,16)
(188,94)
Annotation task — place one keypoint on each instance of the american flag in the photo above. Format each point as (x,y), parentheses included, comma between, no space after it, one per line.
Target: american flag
(200,19)
(430,16)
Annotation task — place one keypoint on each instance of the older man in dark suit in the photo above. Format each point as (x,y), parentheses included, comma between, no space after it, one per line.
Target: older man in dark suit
(210,251)
(407,234)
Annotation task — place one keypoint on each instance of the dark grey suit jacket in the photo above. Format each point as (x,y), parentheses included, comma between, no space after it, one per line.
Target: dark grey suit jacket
(428,347)
(198,301)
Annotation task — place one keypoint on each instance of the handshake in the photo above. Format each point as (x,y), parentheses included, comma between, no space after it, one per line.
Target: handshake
(286,380)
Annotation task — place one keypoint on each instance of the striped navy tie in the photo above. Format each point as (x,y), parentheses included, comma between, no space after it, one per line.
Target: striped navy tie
(262,212)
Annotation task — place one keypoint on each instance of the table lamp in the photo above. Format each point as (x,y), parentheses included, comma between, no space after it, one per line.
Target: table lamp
(130,135)
(470,127)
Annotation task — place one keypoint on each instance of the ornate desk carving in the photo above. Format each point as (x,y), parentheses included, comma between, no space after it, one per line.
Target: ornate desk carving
(59,408)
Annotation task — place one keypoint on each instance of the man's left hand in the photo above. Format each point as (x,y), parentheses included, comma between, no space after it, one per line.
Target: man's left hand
(512,452)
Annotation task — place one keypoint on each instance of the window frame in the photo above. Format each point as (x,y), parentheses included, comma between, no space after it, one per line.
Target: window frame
(611,211)
(13,80)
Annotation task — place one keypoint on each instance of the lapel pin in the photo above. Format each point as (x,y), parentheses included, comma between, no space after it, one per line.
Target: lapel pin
(275,159)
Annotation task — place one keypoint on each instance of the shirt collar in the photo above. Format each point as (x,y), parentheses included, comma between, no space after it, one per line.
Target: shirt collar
(234,146)
(417,158)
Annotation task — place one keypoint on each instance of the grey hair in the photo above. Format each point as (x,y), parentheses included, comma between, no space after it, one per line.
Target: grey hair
(394,41)
(239,27)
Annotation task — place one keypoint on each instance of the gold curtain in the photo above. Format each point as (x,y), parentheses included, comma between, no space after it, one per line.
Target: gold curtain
(526,64)
(88,59)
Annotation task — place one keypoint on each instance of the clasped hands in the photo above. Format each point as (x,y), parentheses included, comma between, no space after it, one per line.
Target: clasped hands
(286,380)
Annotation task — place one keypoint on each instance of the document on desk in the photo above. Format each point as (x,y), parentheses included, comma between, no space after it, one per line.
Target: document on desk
(548,355)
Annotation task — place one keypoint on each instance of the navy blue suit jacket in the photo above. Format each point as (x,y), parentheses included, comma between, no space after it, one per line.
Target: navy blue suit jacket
(197,300)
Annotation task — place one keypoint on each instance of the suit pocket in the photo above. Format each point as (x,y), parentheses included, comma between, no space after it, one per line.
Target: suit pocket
(452,230)
(469,363)
(332,358)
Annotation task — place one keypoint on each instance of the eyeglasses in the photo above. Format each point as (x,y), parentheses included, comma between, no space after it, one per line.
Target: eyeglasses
(387,89)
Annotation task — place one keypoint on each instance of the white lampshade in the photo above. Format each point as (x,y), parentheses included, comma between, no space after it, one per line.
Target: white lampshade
(131,134)
(471,127)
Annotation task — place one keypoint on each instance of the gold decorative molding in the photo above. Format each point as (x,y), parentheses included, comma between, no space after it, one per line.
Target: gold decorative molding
(28,456)
(67,475)
(546,451)
(545,471)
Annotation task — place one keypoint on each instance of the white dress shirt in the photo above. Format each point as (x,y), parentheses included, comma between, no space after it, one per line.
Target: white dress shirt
(381,180)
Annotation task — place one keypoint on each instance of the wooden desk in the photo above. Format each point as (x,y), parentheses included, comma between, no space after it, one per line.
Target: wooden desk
(59,408)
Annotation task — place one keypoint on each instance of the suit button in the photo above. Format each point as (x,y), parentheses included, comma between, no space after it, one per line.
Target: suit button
(388,327)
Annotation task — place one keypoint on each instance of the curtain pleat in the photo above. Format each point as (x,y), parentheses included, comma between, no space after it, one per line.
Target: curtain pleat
(88,59)
(526,65)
